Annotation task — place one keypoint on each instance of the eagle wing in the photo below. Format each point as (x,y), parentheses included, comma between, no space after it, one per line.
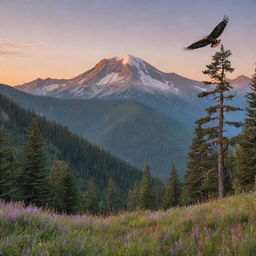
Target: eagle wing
(198,44)
(219,28)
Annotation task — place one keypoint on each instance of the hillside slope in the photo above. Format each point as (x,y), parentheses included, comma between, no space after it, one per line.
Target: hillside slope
(224,227)
(130,130)
(84,158)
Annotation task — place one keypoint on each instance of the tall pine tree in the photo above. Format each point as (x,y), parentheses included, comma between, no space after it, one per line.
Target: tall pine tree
(33,178)
(90,202)
(146,200)
(172,191)
(64,195)
(217,72)
(133,197)
(201,170)
(71,194)
(245,176)
(112,197)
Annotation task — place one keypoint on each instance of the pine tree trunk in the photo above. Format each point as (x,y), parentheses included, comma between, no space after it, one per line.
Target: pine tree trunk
(220,149)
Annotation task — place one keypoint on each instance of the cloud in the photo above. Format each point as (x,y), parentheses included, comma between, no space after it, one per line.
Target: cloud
(7,53)
(12,48)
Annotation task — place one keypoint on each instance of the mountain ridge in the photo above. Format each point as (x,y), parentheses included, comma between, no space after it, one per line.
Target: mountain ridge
(115,75)
(129,129)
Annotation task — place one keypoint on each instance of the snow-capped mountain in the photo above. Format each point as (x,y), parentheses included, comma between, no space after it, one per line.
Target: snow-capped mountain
(114,76)
(132,78)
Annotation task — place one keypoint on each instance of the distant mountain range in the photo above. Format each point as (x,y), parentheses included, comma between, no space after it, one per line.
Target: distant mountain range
(128,107)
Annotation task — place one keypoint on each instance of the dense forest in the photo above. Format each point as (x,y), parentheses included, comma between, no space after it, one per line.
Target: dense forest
(62,151)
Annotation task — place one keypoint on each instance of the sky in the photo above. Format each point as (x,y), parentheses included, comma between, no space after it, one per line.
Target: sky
(63,38)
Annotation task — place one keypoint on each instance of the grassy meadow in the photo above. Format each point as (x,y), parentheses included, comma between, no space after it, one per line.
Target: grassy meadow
(224,227)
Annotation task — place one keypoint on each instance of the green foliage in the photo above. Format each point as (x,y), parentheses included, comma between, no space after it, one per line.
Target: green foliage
(71,195)
(119,127)
(33,175)
(112,197)
(64,194)
(7,172)
(85,160)
(146,194)
(200,181)
(133,197)
(146,200)
(246,161)
(90,201)
(172,190)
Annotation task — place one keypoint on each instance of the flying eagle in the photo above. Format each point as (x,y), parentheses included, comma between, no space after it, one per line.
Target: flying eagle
(212,38)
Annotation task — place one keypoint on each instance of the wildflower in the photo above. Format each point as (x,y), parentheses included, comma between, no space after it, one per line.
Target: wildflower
(172,252)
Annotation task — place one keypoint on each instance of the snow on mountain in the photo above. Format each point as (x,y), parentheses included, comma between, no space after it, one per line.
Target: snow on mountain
(114,76)
(110,78)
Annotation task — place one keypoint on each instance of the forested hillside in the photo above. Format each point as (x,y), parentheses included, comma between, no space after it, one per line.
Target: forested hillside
(130,130)
(85,159)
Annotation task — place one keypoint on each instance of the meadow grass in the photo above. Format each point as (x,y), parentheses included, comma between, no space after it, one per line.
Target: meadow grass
(223,227)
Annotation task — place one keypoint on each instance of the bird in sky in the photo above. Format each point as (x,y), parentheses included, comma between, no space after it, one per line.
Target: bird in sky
(211,38)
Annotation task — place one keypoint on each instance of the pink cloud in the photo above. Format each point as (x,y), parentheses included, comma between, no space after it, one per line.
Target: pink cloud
(12,48)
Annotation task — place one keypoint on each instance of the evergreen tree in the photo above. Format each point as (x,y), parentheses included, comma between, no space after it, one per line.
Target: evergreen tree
(64,195)
(112,197)
(71,195)
(89,202)
(146,190)
(33,179)
(158,194)
(133,197)
(217,71)
(7,176)
(245,176)
(200,179)
(172,191)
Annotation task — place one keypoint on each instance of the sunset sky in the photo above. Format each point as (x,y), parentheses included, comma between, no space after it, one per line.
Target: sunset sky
(63,38)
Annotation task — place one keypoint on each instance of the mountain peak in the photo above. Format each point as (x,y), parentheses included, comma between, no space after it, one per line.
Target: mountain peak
(241,82)
(112,58)
(242,77)
(131,60)
(127,59)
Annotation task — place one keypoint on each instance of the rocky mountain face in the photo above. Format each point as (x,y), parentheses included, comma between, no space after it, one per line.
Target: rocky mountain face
(114,76)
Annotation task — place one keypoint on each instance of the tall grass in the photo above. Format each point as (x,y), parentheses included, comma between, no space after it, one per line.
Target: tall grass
(225,227)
